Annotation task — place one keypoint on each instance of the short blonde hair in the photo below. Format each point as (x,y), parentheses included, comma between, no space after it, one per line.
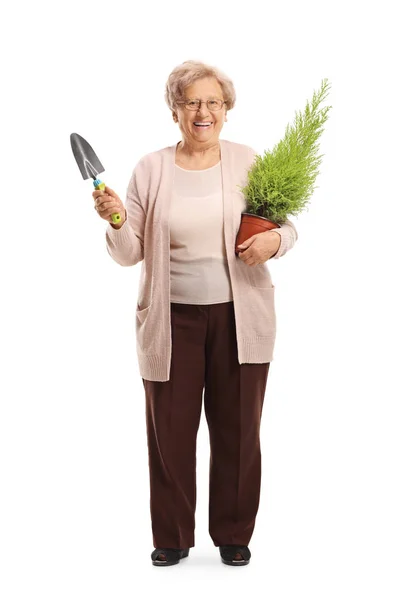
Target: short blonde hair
(185,74)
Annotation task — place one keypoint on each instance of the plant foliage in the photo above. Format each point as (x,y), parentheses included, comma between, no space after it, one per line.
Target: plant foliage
(282,181)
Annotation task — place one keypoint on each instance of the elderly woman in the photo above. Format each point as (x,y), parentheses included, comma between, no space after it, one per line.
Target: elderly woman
(205,316)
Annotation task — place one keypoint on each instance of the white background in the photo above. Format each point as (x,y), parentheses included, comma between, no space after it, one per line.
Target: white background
(74,505)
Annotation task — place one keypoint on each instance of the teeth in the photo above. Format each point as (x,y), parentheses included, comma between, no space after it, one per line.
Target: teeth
(198,123)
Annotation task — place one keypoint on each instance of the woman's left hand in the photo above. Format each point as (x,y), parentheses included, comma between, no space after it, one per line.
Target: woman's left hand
(259,248)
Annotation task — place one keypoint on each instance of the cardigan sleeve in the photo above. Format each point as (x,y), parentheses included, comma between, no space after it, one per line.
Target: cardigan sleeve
(126,244)
(289,236)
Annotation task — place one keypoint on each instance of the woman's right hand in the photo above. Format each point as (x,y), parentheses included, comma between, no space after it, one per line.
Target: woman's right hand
(107,203)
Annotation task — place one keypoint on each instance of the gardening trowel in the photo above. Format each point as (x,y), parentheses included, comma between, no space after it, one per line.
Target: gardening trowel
(89,165)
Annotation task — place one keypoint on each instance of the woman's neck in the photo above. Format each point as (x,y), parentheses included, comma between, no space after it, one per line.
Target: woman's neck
(198,154)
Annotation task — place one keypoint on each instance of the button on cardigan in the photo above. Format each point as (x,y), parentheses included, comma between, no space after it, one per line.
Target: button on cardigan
(145,236)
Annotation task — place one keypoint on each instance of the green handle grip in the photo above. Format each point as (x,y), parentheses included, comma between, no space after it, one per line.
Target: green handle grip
(99,185)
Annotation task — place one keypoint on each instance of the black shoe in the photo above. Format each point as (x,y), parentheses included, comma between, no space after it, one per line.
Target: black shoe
(228,553)
(172,556)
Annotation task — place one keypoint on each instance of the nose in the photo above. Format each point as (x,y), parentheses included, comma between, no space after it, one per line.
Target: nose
(203,108)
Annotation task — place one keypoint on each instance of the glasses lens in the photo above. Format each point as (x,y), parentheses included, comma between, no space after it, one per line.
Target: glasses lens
(192,104)
(214,104)
(211,104)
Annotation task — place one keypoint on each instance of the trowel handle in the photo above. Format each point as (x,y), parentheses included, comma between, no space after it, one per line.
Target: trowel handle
(99,185)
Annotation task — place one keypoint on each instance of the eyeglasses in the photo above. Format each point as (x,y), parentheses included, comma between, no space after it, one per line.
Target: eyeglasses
(211,104)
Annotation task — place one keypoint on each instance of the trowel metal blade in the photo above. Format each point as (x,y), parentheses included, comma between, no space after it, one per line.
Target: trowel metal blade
(88,163)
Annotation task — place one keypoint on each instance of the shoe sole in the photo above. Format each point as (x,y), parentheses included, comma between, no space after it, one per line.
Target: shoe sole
(169,563)
(235,563)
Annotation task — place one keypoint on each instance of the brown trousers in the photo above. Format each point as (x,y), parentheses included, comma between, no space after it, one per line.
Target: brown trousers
(204,355)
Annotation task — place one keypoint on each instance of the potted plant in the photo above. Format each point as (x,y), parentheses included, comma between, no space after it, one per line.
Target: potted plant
(281,182)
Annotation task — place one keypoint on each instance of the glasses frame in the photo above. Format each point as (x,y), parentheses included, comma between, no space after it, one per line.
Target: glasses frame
(203,102)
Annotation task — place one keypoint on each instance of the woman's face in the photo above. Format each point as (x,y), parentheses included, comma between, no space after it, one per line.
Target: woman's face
(207,88)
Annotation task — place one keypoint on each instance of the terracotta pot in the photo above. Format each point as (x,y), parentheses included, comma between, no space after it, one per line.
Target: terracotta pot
(250,225)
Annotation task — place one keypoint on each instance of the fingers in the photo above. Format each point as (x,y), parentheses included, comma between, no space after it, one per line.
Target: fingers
(107,194)
(107,191)
(112,207)
(102,199)
(107,204)
(97,193)
(110,192)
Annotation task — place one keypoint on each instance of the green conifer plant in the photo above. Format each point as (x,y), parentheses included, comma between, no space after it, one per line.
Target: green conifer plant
(282,180)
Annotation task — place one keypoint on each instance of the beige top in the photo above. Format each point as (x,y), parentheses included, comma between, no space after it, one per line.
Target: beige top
(198,259)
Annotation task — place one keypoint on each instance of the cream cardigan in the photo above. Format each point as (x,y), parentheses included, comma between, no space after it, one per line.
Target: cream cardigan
(145,236)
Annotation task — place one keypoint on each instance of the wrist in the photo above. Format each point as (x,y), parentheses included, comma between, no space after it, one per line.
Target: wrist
(278,242)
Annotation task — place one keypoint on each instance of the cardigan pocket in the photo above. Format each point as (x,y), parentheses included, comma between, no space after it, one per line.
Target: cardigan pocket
(141,313)
(259,276)
(142,336)
(262,302)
